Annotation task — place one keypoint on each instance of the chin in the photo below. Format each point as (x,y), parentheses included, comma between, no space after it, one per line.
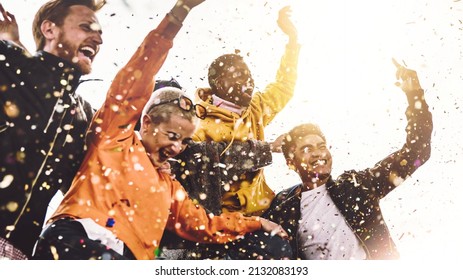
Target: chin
(320,174)
(85,69)
(244,103)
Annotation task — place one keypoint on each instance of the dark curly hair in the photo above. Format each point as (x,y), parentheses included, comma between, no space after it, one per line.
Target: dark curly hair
(296,133)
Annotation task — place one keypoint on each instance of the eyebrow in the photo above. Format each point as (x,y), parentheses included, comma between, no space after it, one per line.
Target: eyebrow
(311,145)
(177,135)
(90,23)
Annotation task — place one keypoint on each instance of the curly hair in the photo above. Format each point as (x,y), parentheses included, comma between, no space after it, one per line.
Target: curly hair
(221,64)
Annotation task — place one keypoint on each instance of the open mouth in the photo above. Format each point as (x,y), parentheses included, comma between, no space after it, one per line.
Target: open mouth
(164,155)
(88,52)
(319,162)
(247,90)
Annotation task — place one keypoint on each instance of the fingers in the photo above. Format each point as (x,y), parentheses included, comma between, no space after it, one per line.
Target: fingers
(7,16)
(284,13)
(407,79)
(399,69)
(285,10)
(276,147)
(13,19)
(280,232)
(396,63)
(3,12)
(402,72)
(273,228)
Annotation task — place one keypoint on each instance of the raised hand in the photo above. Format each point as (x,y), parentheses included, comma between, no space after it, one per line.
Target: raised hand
(407,78)
(285,23)
(8,26)
(275,146)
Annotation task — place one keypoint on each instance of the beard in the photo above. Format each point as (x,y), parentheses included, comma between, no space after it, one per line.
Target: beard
(319,176)
(68,51)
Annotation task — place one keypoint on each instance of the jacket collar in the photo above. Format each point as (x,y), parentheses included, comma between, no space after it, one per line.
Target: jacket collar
(53,63)
(297,189)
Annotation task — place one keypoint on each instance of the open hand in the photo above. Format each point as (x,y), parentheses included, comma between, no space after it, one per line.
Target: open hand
(8,26)
(275,146)
(407,78)
(285,23)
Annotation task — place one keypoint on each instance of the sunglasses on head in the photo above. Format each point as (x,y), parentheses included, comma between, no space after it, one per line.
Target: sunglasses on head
(186,104)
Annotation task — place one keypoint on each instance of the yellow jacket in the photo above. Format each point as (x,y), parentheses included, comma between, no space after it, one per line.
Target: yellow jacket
(249,194)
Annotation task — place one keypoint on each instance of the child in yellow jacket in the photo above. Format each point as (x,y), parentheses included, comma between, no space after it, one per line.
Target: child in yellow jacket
(235,113)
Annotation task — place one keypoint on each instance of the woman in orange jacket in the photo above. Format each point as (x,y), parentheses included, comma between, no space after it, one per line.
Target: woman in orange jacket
(120,202)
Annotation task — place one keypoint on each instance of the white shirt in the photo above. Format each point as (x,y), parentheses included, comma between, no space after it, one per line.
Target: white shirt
(323,233)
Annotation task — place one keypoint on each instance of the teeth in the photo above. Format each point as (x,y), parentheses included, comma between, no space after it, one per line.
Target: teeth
(88,51)
(319,162)
(165,154)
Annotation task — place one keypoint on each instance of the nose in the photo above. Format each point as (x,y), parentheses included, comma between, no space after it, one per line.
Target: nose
(177,148)
(97,38)
(318,153)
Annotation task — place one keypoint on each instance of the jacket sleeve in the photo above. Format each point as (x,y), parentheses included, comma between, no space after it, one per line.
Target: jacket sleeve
(190,221)
(390,172)
(133,85)
(285,211)
(278,93)
(205,167)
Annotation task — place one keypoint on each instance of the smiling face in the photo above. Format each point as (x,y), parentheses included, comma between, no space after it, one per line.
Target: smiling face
(78,40)
(167,139)
(312,159)
(236,85)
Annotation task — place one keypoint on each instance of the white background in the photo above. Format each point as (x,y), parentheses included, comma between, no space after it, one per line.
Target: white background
(346,84)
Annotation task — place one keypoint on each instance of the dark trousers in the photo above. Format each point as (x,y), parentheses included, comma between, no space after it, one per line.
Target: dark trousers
(66,239)
(253,246)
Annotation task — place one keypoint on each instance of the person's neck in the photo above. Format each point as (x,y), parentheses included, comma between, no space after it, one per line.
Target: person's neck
(230,106)
(310,185)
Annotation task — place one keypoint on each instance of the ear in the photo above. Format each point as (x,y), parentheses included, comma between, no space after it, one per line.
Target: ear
(49,30)
(146,122)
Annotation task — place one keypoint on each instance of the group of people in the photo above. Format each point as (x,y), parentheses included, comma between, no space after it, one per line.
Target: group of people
(150,167)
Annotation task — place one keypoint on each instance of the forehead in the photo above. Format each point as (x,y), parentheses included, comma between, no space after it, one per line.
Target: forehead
(81,13)
(178,125)
(309,140)
(238,66)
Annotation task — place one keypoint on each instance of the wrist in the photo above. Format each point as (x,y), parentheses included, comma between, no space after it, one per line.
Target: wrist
(261,220)
(183,6)
(179,12)
(415,95)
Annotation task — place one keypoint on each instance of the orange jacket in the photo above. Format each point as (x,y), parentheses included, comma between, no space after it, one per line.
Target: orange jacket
(119,188)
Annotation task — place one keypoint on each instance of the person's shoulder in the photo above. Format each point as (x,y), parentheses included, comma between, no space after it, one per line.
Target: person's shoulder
(353,177)
(7,46)
(291,191)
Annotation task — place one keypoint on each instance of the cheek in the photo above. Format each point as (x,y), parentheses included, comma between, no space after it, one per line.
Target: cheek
(302,163)
(150,141)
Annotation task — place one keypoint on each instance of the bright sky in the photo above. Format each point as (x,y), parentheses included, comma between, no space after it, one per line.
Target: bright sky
(346,84)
